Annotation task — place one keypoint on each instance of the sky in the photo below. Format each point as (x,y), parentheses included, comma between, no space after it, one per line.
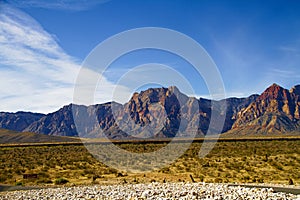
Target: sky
(43,45)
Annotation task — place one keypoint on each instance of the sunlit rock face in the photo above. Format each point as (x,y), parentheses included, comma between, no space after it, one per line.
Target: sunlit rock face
(275,110)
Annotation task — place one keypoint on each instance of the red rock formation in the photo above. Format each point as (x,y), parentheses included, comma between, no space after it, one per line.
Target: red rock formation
(276,109)
(166,112)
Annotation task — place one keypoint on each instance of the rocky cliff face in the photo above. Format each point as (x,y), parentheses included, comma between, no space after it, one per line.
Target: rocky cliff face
(166,112)
(57,123)
(62,123)
(151,112)
(156,112)
(18,121)
(234,106)
(275,110)
(159,112)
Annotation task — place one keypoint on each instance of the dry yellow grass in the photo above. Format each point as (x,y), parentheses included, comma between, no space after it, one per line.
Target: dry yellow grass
(275,161)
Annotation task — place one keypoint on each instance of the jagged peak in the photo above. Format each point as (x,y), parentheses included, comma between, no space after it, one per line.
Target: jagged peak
(69,106)
(173,89)
(295,90)
(274,86)
(147,91)
(273,92)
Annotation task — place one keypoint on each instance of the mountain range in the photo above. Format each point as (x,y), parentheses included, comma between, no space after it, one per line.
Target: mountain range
(166,112)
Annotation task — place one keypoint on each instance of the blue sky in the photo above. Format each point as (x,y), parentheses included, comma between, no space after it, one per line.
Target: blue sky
(43,43)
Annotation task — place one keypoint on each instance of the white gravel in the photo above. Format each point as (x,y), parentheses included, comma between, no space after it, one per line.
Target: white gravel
(150,191)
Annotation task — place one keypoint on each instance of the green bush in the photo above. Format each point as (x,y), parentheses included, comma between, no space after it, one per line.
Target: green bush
(60,181)
(19,184)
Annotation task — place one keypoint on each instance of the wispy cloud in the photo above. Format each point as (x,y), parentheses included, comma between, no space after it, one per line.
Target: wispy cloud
(250,64)
(75,5)
(285,77)
(289,49)
(36,73)
(285,68)
(284,73)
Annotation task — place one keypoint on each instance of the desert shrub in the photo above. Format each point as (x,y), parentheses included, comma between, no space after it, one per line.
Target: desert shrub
(246,178)
(3,178)
(43,174)
(44,180)
(264,161)
(227,175)
(165,170)
(276,164)
(19,184)
(260,180)
(88,171)
(218,180)
(60,181)
(291,182)
(201,177)
(110,171)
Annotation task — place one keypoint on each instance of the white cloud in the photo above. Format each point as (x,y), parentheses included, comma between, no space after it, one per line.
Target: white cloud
(221,96)
(288,49)
(75,5)
(283,73)
(36,73)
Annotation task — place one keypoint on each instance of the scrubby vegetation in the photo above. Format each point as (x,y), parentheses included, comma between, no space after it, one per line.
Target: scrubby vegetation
(245,162)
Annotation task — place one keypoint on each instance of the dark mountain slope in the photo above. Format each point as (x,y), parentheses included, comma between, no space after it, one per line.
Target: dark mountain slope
(18,121)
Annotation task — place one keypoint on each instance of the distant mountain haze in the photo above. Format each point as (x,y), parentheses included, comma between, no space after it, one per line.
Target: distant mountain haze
(166,112)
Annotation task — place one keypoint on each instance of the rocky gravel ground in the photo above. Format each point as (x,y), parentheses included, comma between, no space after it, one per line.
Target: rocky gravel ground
(150,191)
